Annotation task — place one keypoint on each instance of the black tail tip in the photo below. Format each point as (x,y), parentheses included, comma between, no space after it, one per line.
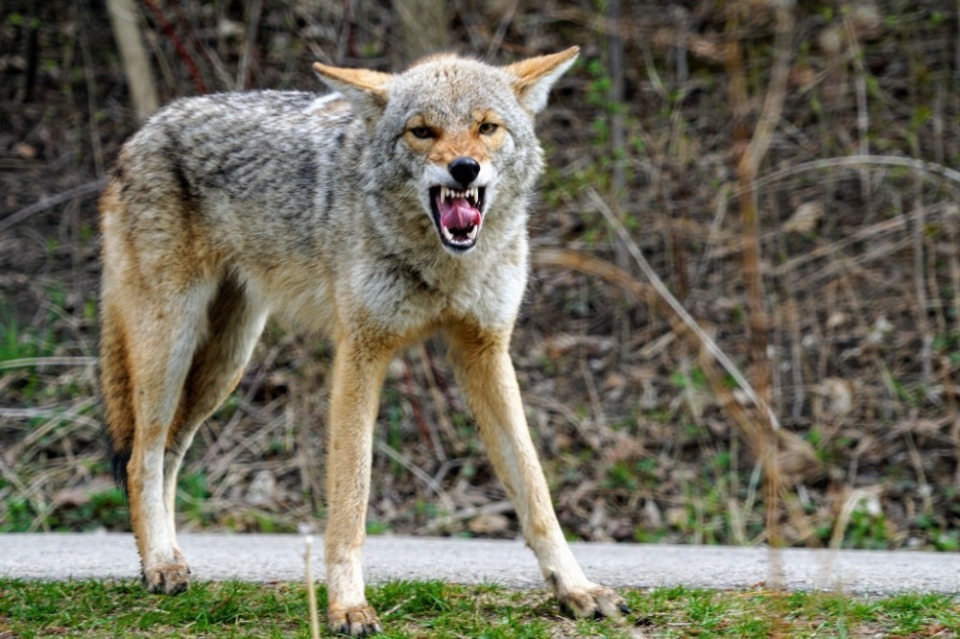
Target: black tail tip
(119,461)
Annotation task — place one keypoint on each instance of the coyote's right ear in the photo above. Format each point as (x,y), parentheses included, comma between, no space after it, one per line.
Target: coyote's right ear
(366,90)
(533,77)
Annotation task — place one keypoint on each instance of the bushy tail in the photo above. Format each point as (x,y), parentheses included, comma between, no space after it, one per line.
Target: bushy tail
(116,391)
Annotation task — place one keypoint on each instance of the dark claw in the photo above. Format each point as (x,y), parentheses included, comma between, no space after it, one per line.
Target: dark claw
(365,631)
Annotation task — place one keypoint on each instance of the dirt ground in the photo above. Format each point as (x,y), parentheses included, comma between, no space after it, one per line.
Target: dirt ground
(830,276)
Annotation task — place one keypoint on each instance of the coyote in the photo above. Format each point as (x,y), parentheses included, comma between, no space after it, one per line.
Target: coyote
(394,208)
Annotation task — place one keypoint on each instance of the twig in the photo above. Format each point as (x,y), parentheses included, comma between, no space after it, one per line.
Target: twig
(254,10)
(939,170)
(749,155)
(953,222)
(171,35)
(549,403)
(596,267)
(426,428)
(501,31)
(796,350)
(919,281)
(78,192)
(777,89)
(54,420)
(311,589)
(440,406)
(956,63)
(674,305)
(418,472)
(347,42)
(953,414)
(187,24)
(617,127)
(28,362)
(90,77)
(600,419)
(495,508)
(923,486)
(14,480)
(32,55)
(854,498)
(863,114)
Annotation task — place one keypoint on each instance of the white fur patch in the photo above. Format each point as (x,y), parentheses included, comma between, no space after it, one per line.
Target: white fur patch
(159,545)
(323,101)
(345,579)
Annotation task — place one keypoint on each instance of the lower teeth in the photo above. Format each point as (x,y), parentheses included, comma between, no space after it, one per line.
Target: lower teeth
(460,238)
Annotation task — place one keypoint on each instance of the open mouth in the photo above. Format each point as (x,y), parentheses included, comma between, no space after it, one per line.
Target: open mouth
(458,216)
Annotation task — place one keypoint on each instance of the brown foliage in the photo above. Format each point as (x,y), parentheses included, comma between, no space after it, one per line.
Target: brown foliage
(854,270)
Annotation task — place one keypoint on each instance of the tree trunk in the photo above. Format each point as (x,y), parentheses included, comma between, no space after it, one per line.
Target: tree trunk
(133,53)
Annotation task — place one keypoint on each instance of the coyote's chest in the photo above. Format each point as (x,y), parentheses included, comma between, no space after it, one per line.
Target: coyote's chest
(403,297)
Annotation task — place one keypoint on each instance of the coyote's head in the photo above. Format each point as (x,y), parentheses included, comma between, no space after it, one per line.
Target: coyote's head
(454,136)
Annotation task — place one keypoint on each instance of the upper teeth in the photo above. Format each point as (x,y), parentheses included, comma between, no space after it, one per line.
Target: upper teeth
(449,194)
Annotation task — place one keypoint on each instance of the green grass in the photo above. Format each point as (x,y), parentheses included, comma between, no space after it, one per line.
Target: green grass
(433,609)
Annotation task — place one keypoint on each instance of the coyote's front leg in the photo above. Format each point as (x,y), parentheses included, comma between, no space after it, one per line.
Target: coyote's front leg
(486,373)
(357,375)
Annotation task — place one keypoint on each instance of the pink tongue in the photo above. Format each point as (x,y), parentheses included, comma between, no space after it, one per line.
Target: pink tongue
(457,213)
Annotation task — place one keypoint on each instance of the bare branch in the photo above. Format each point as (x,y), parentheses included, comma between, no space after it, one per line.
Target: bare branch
(82,191)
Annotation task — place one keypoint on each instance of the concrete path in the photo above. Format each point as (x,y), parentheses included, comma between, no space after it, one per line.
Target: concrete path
(280,558)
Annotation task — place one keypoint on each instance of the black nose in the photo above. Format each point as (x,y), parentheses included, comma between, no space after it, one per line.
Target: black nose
(464,170)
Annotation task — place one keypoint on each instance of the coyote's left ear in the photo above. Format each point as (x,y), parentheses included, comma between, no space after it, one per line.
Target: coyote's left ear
(535,76)
(366,90)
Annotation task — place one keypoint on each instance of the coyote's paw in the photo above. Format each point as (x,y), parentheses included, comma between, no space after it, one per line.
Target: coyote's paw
(167,579)
(355,621)
(593,601)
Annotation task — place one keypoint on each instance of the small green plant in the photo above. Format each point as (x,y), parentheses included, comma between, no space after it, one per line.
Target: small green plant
(19,516)
(17,342)
(867,529)
(105,508)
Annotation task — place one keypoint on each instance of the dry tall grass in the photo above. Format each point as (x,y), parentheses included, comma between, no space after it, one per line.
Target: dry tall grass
(786,170)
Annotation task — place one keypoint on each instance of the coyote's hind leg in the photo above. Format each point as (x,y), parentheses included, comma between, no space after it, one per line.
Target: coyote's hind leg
(160,334)
(235,322)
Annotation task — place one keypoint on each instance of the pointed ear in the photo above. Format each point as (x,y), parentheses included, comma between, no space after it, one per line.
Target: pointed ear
(366,90)
(535,76)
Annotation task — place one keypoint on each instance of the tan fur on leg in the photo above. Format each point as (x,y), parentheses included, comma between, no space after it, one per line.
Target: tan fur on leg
(483,366)
(359,366)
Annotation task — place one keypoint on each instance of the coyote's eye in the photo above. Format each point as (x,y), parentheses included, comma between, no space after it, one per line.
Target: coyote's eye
(422,132)
(488,128)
